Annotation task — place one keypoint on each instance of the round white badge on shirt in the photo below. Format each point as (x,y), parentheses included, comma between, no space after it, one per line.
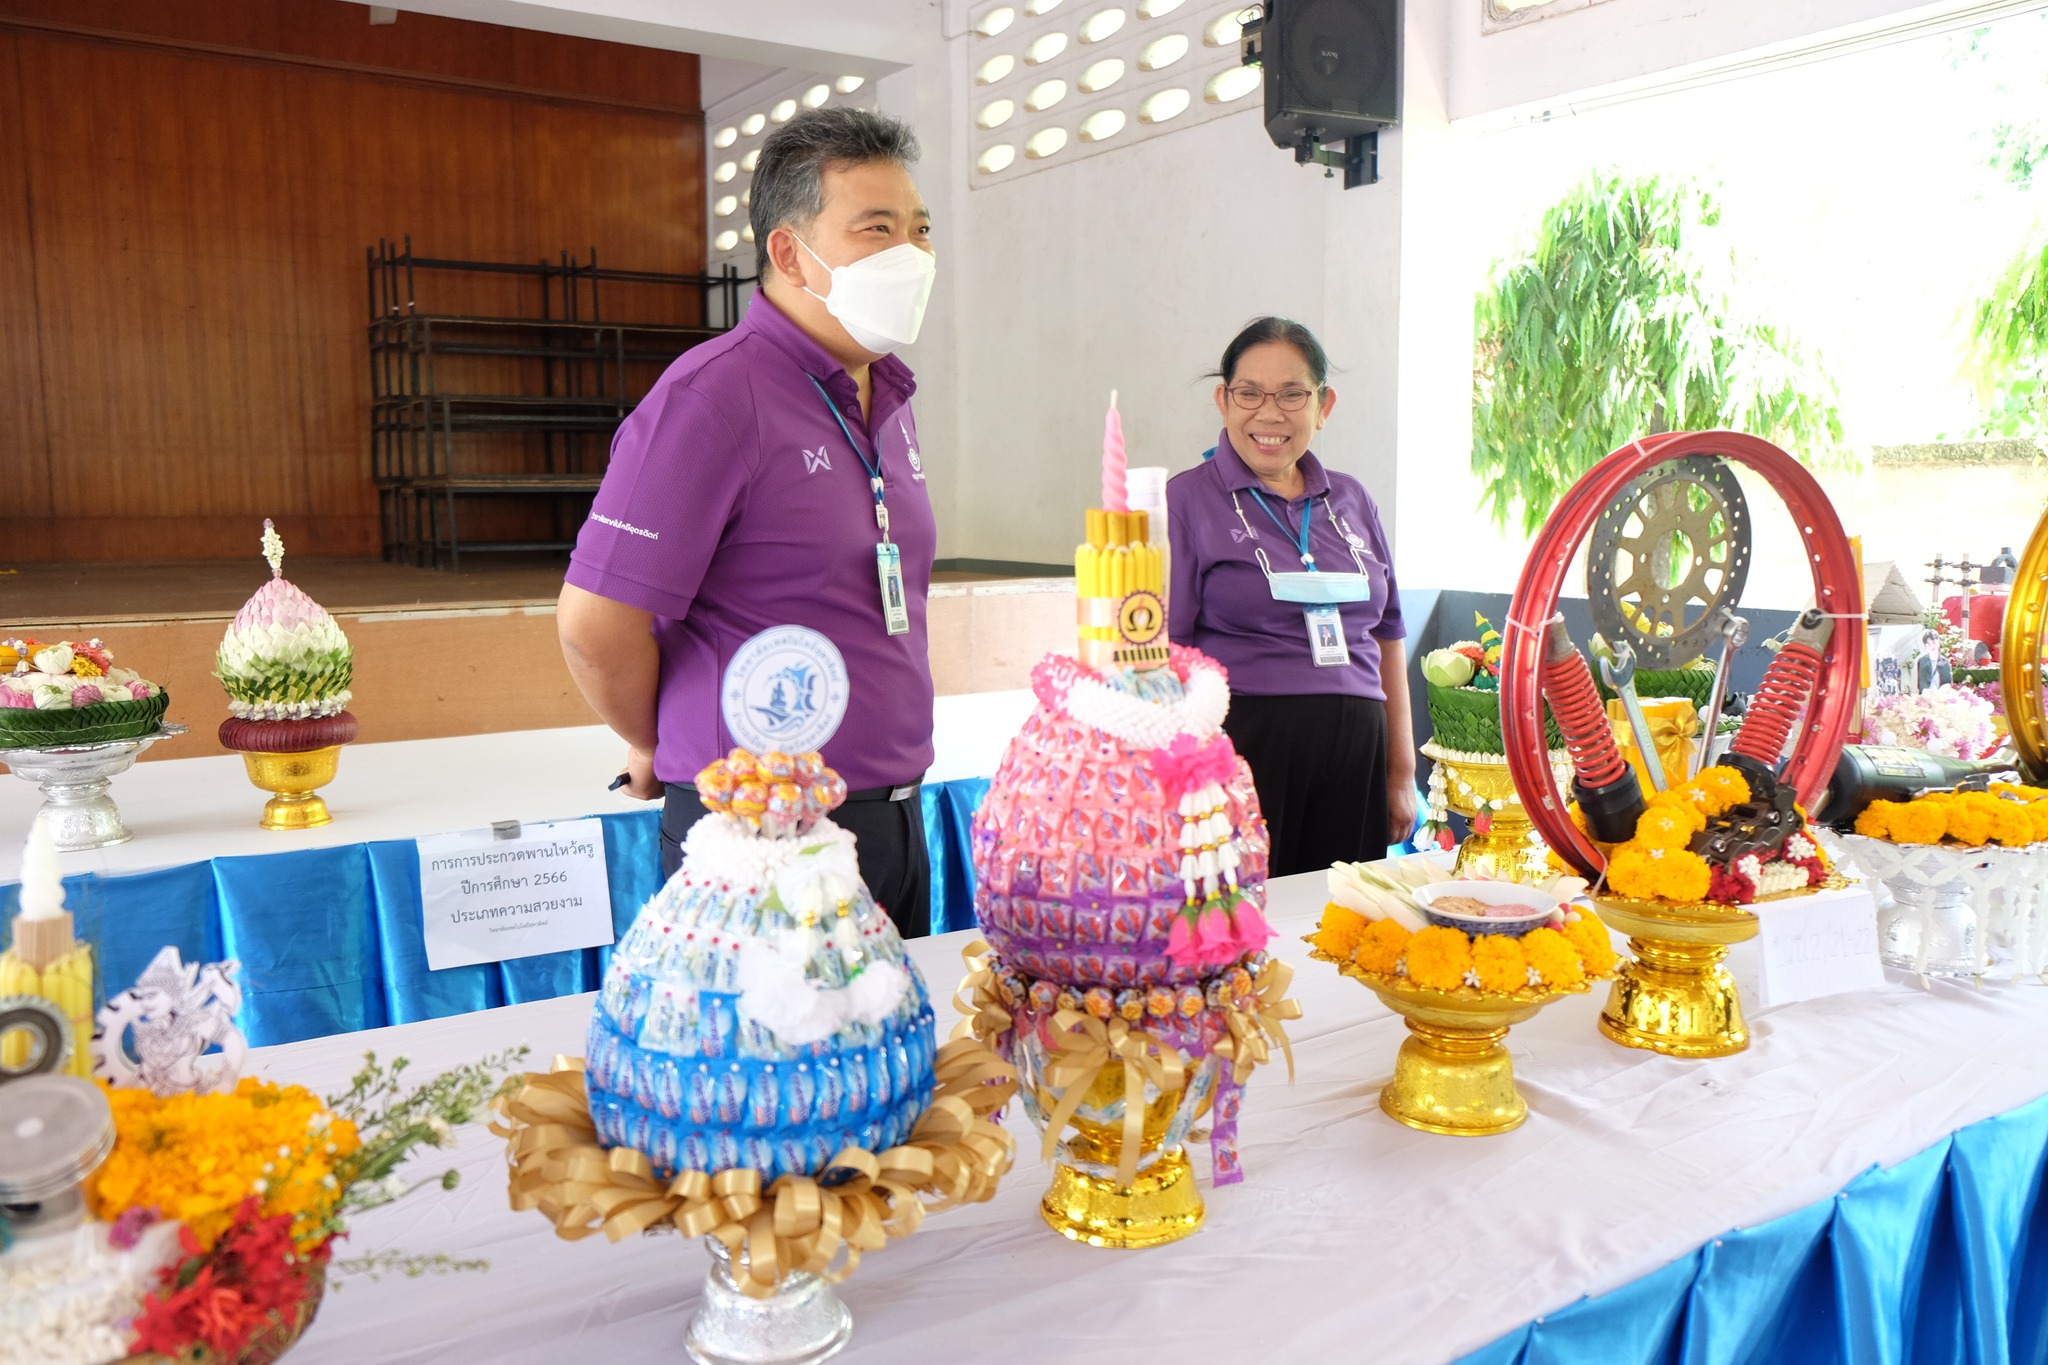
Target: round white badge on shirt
(785,690)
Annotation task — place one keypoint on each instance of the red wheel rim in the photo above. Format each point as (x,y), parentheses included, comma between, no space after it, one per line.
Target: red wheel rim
(1819,737)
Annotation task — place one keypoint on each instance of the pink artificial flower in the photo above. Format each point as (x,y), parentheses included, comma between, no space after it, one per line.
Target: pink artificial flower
(11,699)
(1253,933)
(86,694)
(1215,938)
(1180,943)
(127,1229)
(138,690)
(1188,764)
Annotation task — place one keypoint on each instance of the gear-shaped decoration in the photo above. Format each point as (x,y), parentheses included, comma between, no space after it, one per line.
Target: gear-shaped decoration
(48,1036)
(1665,555)
(175,1012)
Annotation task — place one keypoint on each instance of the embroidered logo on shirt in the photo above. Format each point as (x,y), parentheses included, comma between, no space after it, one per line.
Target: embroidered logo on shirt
(625,526)
(916,464)
(815,460)
(1238,535)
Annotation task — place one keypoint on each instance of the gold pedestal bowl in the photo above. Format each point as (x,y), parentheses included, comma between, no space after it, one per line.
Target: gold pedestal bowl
(295,780)
(1086,1203)
(1508,850)
(1453,1074)
(1675,997)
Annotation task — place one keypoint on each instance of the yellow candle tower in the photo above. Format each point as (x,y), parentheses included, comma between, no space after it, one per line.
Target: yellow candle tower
(45,959)
(1119,577)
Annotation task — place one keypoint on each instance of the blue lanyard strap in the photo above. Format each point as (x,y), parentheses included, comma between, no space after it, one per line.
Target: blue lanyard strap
(873,468)
(1308,559)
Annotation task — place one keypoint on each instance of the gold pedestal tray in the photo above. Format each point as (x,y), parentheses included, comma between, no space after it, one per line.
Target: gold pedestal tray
(296,779)
(1452,1074)
(1508,850)
(1675,997)
(1160,1205)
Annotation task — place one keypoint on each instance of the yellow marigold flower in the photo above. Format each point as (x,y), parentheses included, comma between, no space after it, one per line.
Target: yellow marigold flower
(1379,949)
(2037,819)
(1555,958)
(1631,873)
(1918,822)
(1498,960)
(1596,948)
(82,667)
(1685,800)
(1439,958)
(2009,824)
(1340,931)
(1970,817)
(1724,787)
(1683,875)
(1875,820)
(1663,827)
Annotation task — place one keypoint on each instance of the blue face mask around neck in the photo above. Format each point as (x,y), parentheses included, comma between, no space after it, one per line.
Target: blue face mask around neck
(1320,589)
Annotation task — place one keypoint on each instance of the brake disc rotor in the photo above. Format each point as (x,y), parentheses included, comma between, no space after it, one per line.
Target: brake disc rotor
(1665,555)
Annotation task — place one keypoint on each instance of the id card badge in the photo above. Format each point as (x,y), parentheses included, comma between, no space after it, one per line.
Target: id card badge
(1326,637)
(889,569)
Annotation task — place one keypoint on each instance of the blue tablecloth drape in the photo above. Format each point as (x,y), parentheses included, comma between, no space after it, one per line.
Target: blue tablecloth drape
(1941,1259)
(330,939)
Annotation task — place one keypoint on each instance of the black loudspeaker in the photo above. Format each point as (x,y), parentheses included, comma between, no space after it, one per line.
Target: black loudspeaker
(1333,69)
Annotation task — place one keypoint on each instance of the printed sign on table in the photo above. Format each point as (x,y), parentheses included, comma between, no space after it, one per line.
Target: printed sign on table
(1823,944)
(492,899)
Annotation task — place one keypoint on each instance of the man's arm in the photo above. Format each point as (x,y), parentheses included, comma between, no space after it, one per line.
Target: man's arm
(611,654)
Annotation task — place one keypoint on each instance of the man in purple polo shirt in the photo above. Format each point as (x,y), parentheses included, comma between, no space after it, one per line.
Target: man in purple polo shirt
(752,487)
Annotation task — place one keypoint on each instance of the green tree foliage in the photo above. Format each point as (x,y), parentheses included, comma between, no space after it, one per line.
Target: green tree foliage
(2008,357)
(1617,321)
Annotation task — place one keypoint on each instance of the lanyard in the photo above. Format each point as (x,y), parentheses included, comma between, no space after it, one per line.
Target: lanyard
(1308,559)
(874,470)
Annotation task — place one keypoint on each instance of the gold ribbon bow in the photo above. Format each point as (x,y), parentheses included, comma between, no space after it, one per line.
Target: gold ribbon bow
(1673,723)
(1082,1046)
(1253,1031)
(956,1154)
(979,999)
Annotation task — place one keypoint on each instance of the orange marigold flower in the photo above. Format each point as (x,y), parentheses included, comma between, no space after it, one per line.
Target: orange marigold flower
(1379,949)
(1875,820)
(1970,817)
(1439,958)
(1918,822)
(1663,827)
(1596,947)
(1685,800)
(1555,958)
(2009,824)
(1340,931)
(1499,961)
(1631,873)
(1682,875)
(1724,787)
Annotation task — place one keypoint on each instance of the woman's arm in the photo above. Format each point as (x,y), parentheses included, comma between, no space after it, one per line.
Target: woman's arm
(1400,740)
(616,665)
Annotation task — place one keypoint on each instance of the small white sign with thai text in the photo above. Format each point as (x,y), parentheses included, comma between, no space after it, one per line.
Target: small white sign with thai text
(490,898)
(1822,944)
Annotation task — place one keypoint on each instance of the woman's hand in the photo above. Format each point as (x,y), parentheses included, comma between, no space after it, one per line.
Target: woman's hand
(641,783)
(1400,808)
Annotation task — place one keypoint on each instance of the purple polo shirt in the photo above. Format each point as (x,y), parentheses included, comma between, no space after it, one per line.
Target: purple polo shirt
(1221,604)
(732,504)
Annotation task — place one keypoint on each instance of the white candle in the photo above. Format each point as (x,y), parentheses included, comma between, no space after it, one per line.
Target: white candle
(42,882)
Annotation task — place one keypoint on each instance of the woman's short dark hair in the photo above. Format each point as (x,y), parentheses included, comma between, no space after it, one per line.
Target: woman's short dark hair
(789,178)
(1258,332)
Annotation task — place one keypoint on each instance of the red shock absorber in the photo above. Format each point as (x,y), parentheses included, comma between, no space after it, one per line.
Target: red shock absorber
(1609,796)
(1568,687)
(1786,691)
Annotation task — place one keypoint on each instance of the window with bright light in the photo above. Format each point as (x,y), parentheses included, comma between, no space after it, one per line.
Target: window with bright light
(1101,75)
(1103,123)
(1045,142)
(1163,105)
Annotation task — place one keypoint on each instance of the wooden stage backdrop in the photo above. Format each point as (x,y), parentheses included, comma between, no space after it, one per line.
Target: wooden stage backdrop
(186,191)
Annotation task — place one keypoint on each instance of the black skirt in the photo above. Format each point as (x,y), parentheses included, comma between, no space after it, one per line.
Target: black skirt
(1320,764)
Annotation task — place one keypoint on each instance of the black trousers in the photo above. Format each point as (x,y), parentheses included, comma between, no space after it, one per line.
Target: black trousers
(1320,764)
(893,859)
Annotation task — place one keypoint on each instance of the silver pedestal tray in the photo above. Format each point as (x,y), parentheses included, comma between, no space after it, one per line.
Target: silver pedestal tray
(802,1323)
(76,809)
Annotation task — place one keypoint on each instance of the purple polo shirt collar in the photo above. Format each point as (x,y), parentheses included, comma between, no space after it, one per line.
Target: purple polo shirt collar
(892,379)
(1237,475)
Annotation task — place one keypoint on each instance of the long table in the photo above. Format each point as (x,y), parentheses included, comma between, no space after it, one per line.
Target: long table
(1807,1193)
(326,922)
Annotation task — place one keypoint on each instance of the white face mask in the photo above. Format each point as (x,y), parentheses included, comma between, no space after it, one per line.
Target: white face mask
(879,299)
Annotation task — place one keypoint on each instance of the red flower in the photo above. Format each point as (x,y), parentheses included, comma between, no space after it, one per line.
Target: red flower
(218,1301)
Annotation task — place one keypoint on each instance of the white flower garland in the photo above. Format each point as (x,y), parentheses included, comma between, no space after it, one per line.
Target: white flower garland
(1145,724)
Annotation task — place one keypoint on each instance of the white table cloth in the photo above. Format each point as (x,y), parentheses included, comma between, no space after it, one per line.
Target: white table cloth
(1352,1237)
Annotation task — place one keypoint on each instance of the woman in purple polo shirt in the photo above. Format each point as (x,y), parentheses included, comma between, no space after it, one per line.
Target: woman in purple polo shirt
(1281,572)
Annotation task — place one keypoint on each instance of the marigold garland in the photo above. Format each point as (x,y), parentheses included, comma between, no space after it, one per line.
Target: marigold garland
(2007,814)
(196,1158)
(1380,949)
(1439,957)
(1341,931)
(1500,964)
(1554,958)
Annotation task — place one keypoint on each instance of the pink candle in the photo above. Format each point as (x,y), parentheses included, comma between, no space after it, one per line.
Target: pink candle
(1115,496)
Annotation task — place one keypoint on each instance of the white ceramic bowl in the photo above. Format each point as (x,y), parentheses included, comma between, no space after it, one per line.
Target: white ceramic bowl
(1546,906)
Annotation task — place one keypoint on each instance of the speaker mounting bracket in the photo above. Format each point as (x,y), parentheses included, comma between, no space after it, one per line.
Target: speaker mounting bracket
(1358,157)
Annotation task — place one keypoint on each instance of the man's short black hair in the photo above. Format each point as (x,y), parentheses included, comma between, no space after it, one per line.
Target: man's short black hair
(789,178)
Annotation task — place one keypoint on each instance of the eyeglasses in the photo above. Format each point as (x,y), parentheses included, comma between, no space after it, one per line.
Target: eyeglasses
(1251,397)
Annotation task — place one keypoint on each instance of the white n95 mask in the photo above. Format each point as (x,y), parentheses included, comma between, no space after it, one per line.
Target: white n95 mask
(880,299)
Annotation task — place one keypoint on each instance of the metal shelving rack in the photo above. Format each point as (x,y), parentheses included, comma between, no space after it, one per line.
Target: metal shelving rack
(491,401)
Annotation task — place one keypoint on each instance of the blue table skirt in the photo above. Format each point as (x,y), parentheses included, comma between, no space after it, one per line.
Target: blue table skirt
(330,941)
(1943,1258)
